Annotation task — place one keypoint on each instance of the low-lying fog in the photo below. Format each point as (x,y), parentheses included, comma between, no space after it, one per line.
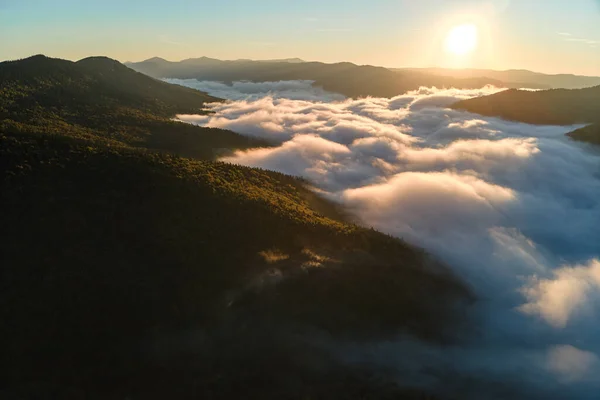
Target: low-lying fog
(513,208)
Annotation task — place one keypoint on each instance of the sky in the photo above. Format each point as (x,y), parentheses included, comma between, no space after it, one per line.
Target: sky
(551,36)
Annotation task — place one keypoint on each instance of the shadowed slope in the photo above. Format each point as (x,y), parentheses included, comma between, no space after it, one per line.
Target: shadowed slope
(590,134)
(106,249)
(551,107)
(130,273)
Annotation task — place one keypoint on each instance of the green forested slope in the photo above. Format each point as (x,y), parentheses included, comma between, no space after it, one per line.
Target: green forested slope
(101,100)
(140,274)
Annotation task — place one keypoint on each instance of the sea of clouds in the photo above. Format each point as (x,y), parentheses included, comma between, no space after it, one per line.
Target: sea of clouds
(245,90)
(513,208)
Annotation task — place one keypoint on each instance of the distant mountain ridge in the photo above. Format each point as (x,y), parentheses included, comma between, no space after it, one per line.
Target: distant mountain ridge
(345,78)
(517,78)
(294,60)
(209,60)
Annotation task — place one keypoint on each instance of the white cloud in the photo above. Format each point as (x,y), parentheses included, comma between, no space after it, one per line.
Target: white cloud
(506,204)
(409,203)
(572,364)
(167,40)
(297,90)
(567,292)
(334,30)
(590,42)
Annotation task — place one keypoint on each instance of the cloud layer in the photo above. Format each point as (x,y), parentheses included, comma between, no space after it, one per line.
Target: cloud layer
(512,207)
(297,90)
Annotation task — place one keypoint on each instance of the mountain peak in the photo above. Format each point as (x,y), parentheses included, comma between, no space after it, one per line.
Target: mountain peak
(284,60)
(37,57)
(201,60)
(33,59)
(155,59)
(98,60)
(37,65)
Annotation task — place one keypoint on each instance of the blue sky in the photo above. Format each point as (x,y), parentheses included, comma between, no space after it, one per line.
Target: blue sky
(544,35)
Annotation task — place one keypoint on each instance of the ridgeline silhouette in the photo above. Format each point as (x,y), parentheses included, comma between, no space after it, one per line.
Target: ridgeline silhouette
(516,78)
(345,78)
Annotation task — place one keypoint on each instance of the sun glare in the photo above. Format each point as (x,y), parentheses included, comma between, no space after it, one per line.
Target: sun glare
(461,39)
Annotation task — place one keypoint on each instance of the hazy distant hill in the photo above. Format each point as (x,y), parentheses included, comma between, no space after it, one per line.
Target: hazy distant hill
(590,134)
(283,60)
(516,78)
(128,273)
(346,78)
(556,106)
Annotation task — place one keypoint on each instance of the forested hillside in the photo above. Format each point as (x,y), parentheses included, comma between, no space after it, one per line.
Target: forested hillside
(551,107)
(99,99)
(556,106)
(129,273)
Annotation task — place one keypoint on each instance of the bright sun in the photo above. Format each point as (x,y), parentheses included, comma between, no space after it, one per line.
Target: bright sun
(461,39)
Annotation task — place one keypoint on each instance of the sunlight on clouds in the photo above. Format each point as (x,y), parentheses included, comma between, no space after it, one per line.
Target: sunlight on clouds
(409,203)
(568,293)
(508,205)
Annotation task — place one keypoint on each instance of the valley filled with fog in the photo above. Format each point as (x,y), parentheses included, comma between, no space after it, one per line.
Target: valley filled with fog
(316,200)
(511,207)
